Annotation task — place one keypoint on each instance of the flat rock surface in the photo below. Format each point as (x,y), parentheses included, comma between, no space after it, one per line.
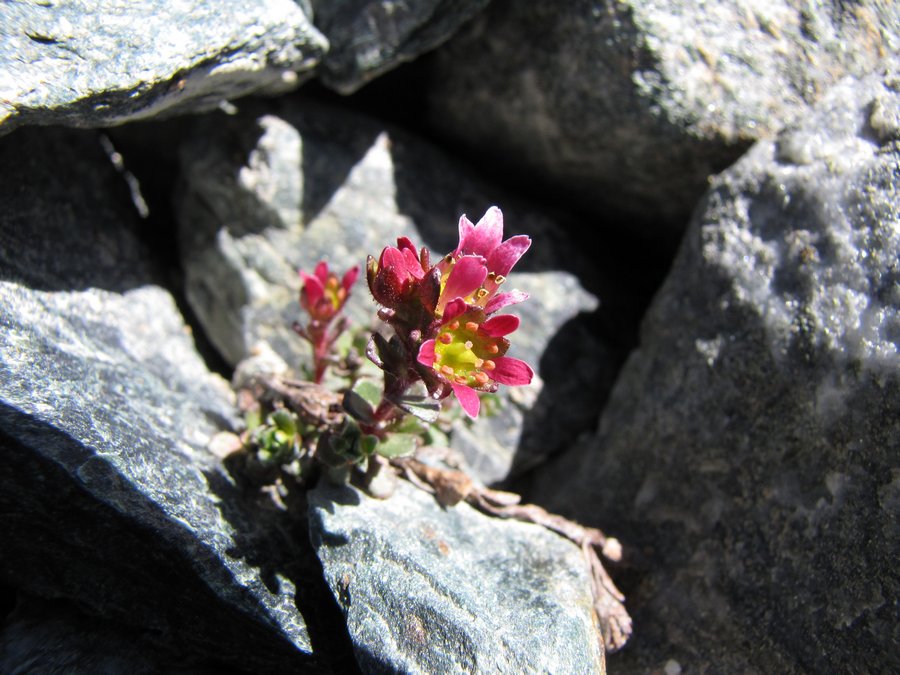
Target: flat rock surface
(110,497)
(94,64)
(428,589)
(628,107)
(265,195)
(750,445)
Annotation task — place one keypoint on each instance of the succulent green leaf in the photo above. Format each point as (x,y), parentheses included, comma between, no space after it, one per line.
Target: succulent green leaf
(370,391)
(423,407)
(252,418)
(358,407)
(284,421)
(397,445)
(410,424)
(368,444)
(434,436)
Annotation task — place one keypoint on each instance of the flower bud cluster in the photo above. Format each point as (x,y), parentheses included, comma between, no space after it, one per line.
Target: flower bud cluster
(323,296)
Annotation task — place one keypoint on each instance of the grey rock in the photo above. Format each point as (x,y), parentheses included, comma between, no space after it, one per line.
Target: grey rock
(370,37)
(427,589)
(93,64)
(109,495)
(628,107)
(266,194)
(750,444)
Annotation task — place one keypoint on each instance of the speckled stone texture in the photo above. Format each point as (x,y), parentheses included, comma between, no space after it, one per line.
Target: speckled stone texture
(428,589)
(370,37)
(93,64)
(265,194)
(750,446)
(110,497)
(628,107)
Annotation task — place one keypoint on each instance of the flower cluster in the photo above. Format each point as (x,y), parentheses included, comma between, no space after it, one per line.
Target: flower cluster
(323,296)
(444,315)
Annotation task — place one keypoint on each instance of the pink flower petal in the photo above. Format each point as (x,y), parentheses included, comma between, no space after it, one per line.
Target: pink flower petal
(502,300)
(511,371)
(403,262)
(413,266)
(426,353)
(405,243)
(391,257)
(312,288)
(465,229)
(466,277)
(350,277)
(487,234)
(322,271)
(468,399)
(507,254)
(498,326)
(454,308)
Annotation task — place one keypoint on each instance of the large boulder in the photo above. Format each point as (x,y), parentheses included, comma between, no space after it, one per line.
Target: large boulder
(750,445)
(264,195)
(628,107)
(450,590)
(93,64)
(109,495)
(370,37)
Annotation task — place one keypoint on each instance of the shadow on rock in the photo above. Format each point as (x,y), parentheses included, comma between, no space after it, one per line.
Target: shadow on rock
(271,533)
(121,557)
(42,207)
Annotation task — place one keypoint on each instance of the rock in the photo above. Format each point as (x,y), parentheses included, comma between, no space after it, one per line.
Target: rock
(90,64)
(54,637)
(628,107)
(108,495)
(429,589)
(369,37)
(266,194)
(750,444)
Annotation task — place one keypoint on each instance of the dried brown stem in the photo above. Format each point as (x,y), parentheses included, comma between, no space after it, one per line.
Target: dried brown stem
(314,403)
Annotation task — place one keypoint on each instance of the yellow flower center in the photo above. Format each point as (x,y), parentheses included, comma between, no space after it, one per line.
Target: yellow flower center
(463,354)
(335,293)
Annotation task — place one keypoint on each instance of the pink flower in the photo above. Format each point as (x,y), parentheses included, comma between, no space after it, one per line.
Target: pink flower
(484,241)
(469,354)
(322,295)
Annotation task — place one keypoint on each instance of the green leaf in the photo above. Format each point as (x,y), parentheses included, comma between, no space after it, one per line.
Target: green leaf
(358,407)
(368,444)
(397,445)
(436,437)
(423,407)
(370,391)
(409,424)
(284,421)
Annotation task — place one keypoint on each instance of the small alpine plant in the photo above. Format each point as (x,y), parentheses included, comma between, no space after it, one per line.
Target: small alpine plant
(447,336)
